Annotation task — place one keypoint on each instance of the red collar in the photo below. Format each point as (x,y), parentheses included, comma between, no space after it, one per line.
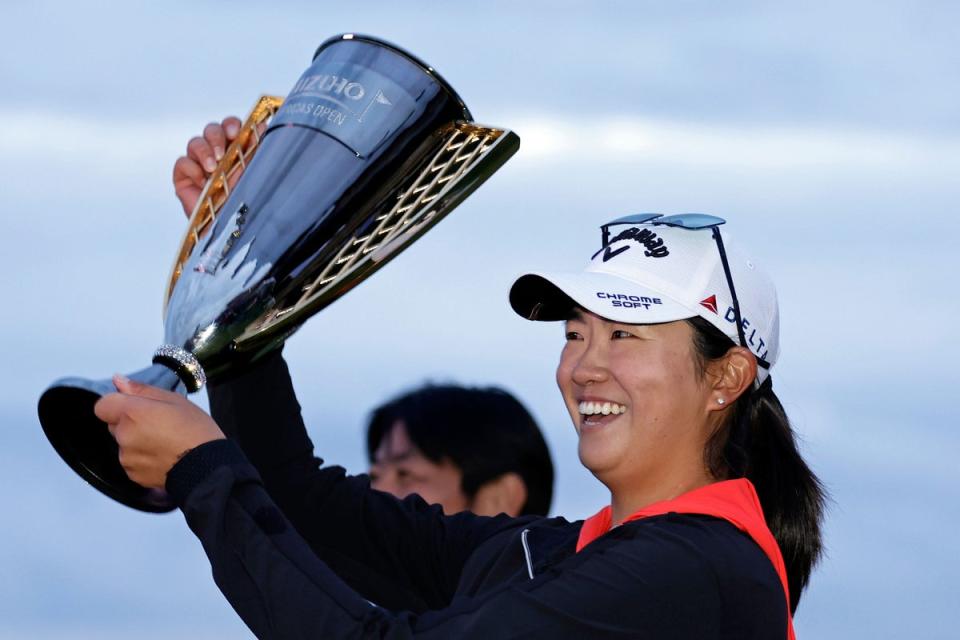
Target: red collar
(735,501)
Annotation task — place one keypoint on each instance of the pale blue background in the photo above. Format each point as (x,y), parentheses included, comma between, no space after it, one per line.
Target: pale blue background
(828,133)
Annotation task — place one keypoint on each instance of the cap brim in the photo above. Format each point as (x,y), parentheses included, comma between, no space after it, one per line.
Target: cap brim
(551,297)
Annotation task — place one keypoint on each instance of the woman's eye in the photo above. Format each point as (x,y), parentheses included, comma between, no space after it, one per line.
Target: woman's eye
(619,334)
(573,335)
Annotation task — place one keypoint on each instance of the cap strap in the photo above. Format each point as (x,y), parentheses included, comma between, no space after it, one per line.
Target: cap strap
(733,294)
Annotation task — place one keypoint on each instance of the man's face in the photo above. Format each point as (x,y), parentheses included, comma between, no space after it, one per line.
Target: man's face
(400,468)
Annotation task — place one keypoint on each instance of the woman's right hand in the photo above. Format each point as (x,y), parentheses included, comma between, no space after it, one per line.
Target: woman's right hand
(190,172)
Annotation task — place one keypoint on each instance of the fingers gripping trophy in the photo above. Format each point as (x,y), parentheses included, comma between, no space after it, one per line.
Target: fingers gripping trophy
(369,150)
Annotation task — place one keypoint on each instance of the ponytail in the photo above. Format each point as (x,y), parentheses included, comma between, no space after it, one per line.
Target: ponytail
(758,443)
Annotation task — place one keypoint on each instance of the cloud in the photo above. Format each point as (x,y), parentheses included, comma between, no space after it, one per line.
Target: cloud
(550,139)
(66,137)
(547,139)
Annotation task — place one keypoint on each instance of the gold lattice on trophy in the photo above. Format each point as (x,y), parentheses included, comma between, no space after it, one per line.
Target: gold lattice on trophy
(449,177)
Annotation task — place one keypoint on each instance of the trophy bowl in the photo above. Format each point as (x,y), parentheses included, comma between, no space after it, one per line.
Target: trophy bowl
(369,150)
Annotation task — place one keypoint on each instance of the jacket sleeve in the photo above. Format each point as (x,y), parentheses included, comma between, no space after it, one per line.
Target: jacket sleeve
(400,554)
(283,590)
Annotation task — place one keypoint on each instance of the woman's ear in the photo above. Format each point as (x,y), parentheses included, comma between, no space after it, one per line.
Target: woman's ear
(507,493)
(730,376)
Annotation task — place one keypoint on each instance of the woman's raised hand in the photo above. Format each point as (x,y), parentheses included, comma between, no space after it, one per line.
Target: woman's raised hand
(190,172)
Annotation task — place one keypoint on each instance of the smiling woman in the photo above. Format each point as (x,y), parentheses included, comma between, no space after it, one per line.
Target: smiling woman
(672,397)
(652,447)
(713,523)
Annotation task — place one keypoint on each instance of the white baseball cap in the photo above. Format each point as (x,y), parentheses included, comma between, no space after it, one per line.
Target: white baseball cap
(652,268)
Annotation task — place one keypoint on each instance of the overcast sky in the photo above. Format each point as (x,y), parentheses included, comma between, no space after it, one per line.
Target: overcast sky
(828,134)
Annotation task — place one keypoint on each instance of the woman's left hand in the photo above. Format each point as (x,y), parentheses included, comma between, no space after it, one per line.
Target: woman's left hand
(153,429)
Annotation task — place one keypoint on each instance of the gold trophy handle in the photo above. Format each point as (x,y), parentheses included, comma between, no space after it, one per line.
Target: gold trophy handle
(468,154)
(217,189)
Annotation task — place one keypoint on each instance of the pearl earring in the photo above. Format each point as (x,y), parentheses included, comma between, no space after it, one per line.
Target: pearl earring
(720,401)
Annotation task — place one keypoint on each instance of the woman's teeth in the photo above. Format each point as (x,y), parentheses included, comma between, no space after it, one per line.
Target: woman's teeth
(601,408)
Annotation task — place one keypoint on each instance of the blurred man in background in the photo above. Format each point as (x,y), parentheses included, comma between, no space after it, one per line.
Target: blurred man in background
(462,448)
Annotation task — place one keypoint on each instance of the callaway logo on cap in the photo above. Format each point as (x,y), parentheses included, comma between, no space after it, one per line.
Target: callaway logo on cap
(653,268)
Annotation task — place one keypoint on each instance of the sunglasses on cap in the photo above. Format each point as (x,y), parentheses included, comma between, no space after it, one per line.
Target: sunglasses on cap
(693,222)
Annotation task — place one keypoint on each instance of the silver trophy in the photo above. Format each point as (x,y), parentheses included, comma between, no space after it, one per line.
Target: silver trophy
(369,150)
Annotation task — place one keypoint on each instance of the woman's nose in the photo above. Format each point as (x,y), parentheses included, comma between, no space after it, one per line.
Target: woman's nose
(589,367)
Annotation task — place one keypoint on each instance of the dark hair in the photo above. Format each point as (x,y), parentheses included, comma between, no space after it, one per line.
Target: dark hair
(485,432)
(758,443)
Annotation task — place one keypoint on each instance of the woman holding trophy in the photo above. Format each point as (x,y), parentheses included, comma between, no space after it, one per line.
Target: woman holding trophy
(713,524)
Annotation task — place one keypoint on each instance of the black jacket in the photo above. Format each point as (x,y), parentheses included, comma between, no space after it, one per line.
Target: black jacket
(301,551)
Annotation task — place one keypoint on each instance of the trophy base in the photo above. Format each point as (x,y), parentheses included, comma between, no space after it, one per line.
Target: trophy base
(85,444)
